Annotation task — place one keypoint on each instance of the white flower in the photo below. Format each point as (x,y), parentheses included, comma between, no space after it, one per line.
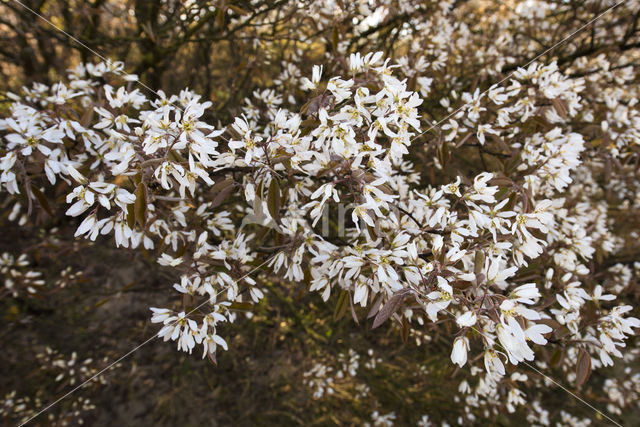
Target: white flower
(526,294)
(599,296)
(534,333)
(459,352)
(315,80)
(85,198)
(440,299)
(493,363)
(513,340)
(467,319)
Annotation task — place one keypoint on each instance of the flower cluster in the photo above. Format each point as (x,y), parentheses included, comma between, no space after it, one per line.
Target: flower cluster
(496,222)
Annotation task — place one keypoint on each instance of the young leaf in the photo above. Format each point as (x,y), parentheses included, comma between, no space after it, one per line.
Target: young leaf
(221,191)
(274,201)
(212,358)
(335,38)
(479,262)
(556,358)
(220,17)
(131,216)
(42,199)
(583,368)
(461,284)
(140,205)
(237,9)
(375,307)
(246,306)
(405,330)
(353,312)
(394,303)
(558,105)
(341,307)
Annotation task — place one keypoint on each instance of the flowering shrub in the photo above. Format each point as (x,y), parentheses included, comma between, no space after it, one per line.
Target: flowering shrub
(499,226)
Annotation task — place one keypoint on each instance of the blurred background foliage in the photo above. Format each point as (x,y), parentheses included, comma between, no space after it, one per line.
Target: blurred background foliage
(103,312)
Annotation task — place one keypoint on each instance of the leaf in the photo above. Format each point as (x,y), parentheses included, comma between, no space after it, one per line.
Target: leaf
(42,199)
(237,9)
(187,302)
(405,330)
(375,308)
(558,105)
(446,273)
(181,250)
(493,315)
(220,186)
(281,159)
(556,358)
(220,17)
(541,120)
(431,278)
(313,106)
(175,156)
(552,323)
(140,205)
(394,303)
(212,358)
(221,190)
(460,284)
(353,312)
(341,307)
(310,123)
(386,189)
(131,216)
(479,262)
(512,163)
(501,181)
(273,200)
(260,189)
(246,306)
(583,368)
(372,231)
(86,117)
